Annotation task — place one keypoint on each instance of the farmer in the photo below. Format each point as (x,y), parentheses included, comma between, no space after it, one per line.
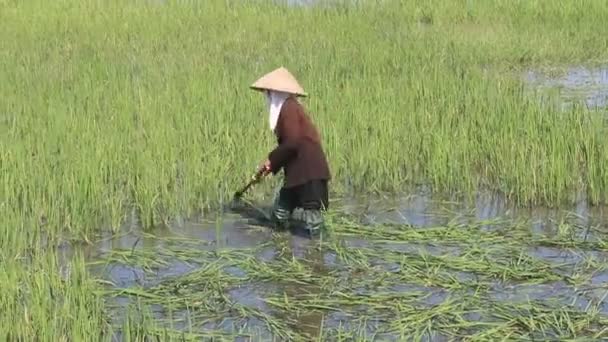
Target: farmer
(304,195)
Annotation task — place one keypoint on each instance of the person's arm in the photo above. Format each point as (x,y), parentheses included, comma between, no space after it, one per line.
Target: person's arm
(282,154)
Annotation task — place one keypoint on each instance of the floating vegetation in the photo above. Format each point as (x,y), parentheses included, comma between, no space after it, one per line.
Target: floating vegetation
(456,282)
(119,117)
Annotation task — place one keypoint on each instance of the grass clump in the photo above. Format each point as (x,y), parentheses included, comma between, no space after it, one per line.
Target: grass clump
(40,302)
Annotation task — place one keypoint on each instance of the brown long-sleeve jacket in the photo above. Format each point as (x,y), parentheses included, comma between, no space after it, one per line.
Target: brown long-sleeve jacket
(299,152)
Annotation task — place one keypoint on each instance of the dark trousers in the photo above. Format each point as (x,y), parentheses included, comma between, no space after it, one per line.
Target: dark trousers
(302,205)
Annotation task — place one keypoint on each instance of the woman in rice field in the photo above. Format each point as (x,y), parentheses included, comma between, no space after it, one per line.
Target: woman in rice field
(304,195)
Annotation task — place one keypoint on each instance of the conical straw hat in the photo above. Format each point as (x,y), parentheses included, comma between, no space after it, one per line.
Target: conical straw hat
(279,80)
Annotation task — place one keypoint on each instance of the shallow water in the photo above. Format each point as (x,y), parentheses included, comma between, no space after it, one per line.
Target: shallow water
(576,85)
(280,278)
(424,210)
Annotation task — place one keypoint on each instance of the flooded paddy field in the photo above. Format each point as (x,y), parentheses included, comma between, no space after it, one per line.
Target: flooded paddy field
(572,86)
(415,267)
(121,121)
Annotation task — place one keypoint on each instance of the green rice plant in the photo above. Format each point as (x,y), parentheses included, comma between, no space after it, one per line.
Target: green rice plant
(44,302)
(114,106)
(147,104)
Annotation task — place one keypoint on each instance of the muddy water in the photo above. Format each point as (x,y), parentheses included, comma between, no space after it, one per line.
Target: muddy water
(575,85)
(149,261)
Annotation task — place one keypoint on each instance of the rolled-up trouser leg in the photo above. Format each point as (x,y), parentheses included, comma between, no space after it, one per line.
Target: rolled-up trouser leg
(312,201)
(310,218)
(282,209)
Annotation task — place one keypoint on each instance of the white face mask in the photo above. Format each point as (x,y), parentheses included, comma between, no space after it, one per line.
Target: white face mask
(275,101)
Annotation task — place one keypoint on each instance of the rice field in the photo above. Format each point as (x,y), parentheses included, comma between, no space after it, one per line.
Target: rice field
(457,276)
(125,128)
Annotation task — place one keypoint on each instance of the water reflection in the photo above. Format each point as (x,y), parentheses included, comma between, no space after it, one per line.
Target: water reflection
(576,84)
(309,321)
(426,210)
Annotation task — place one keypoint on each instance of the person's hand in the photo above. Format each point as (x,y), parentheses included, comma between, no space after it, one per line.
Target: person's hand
(265,168)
